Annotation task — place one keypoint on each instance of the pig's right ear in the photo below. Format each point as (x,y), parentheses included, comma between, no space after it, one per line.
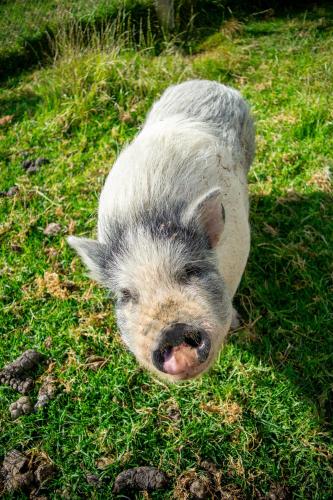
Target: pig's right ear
(208,212)
(93,255)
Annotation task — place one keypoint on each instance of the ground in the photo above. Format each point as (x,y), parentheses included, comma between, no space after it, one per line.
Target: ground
(263,414)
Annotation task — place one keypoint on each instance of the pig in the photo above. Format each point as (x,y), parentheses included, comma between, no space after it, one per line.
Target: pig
(173,233)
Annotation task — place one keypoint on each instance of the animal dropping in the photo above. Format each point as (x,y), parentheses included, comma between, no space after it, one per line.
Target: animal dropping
(26,471)
(173,235)
(140,479)
(17,373)
(27,362)
(22,385)
(22,406)
(46,392)
(52,229)
(15,471)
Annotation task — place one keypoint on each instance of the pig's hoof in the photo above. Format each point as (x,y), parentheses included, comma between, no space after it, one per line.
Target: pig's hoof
(236,321)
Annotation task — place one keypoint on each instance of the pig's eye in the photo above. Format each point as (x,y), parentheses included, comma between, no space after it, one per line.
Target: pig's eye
(190,271)
(125,296)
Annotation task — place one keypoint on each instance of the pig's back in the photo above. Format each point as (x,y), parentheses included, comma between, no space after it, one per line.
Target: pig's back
(193,140)
(217,105)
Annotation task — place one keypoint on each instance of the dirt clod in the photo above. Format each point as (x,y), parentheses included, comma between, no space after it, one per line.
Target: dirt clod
(199,489)
(12,191)
(41,161)
(95,363)
(277,492)
(193,485)
(93,480)
(70,286)
(16,248)
(27,163)
(4,120)
(209,467)
(52,229)
(48,342)
(173,413)
(32,166)
(140,479)
(23,406)
(35,496)
(32,170)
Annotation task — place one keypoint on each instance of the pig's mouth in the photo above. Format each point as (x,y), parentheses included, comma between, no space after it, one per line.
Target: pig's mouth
(182,352)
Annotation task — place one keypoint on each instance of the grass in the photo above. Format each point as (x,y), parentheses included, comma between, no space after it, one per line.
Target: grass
(264,412)
(27,43)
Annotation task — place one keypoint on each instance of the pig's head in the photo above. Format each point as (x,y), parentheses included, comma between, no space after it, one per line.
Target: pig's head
(173,308)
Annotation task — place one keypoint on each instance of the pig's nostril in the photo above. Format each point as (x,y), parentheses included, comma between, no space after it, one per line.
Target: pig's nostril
(166,353)
(203,348)
(161,355)
(193,339)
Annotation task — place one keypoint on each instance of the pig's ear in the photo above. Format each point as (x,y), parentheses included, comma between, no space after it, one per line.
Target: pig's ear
(208,211)
(92,254)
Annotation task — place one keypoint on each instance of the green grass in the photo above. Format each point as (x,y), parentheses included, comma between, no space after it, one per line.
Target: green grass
(28,27)
(277,370)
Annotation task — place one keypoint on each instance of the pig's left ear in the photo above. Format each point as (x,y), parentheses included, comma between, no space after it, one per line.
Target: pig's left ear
(92,254)
(208,211)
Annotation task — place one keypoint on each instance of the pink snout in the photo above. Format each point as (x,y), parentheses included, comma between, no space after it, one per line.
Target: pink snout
(181,349)
(180,359)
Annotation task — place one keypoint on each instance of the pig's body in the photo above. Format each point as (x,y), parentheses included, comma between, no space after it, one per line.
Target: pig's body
(173,231)
(197,136)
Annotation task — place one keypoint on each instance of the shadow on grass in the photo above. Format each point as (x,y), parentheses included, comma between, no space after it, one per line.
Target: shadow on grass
(35,51)
(19,105)
(287,292)
(39,50)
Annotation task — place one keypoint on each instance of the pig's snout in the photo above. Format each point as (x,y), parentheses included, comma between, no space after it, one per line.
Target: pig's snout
(181,349)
